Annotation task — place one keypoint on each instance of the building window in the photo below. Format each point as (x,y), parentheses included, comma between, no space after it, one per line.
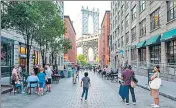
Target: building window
(133,33)
(133,54)
(134,13)
(127,38)
(127,20)
(122,27)
(127,5)
(122,10)
(142,6)
(142,26)
(122,40)
(118,30)
(155,19)
(171,52)
(116,19)
(118,42)
(171,10)
(155,54)
(142,55)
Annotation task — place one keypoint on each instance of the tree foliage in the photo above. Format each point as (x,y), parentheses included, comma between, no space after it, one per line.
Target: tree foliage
(81,59)
(36,20)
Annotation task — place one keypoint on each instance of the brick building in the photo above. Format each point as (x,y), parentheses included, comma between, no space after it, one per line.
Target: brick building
(103,47)
(70,34)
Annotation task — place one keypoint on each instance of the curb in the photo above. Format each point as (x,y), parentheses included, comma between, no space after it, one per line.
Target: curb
(7,90)
(162,94)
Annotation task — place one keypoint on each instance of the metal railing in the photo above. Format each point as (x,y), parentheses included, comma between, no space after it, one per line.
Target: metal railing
(168,71)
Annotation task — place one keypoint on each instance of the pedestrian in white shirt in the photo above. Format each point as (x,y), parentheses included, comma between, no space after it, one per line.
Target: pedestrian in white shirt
(48,76)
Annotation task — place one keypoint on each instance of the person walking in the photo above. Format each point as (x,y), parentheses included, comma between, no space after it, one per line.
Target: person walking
(126,77)
(86,84)
(155,92)
(74,74)
(42,80)
(94,69)
(48,78)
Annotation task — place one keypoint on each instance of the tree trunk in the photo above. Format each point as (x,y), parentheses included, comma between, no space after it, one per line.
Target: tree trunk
(46,51)
(28,52)
(52,58)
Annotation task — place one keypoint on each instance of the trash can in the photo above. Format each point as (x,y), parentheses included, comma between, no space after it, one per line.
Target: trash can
(69,72)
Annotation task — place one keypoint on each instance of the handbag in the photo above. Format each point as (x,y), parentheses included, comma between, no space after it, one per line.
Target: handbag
(134,81)
(133,84)
(156,83)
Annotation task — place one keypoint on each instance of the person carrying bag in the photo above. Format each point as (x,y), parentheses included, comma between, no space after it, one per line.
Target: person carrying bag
(154,86)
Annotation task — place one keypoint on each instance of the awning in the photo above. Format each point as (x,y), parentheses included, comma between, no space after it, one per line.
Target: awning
(140,44)
(169,35)
(153,40)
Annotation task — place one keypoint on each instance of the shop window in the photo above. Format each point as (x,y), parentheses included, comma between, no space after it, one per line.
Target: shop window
(155,19)
(6,52)
(171,52)
(142,55)
(155,54)
(133,54)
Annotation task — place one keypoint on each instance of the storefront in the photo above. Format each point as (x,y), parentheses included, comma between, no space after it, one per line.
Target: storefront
(36,57)
(170,38)
(7,58)
(171,52)
(22,55)
(155,54)
(154,49)
(142,56)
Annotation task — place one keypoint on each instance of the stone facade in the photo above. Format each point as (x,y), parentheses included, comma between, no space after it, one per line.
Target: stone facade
(143,12)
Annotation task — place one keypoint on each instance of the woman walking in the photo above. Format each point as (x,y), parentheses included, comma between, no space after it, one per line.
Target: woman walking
(155,92)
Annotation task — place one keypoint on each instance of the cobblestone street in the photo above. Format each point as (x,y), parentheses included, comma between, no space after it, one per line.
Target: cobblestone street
(102,94)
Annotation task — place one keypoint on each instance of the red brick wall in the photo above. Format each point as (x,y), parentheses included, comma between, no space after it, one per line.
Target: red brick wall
(70,34)
(103,48)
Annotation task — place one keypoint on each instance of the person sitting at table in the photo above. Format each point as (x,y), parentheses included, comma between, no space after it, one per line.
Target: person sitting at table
(32,78)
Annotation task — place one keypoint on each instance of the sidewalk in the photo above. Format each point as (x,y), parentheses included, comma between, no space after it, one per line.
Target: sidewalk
(167,89)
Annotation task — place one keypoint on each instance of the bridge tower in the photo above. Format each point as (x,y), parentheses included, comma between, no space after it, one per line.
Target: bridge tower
(86,13)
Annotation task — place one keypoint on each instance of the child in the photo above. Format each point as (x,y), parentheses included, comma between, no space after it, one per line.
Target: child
(42,77)
(86,83)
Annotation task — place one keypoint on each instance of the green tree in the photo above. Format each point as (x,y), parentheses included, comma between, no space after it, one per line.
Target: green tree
(35,20)
(81,59)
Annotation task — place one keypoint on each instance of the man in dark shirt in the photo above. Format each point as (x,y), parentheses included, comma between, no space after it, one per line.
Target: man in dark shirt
(126,76)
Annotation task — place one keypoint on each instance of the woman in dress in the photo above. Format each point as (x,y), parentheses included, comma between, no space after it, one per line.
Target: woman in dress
(155,92)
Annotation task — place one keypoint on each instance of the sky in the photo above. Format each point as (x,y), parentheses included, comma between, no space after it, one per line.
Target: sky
(73,9)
